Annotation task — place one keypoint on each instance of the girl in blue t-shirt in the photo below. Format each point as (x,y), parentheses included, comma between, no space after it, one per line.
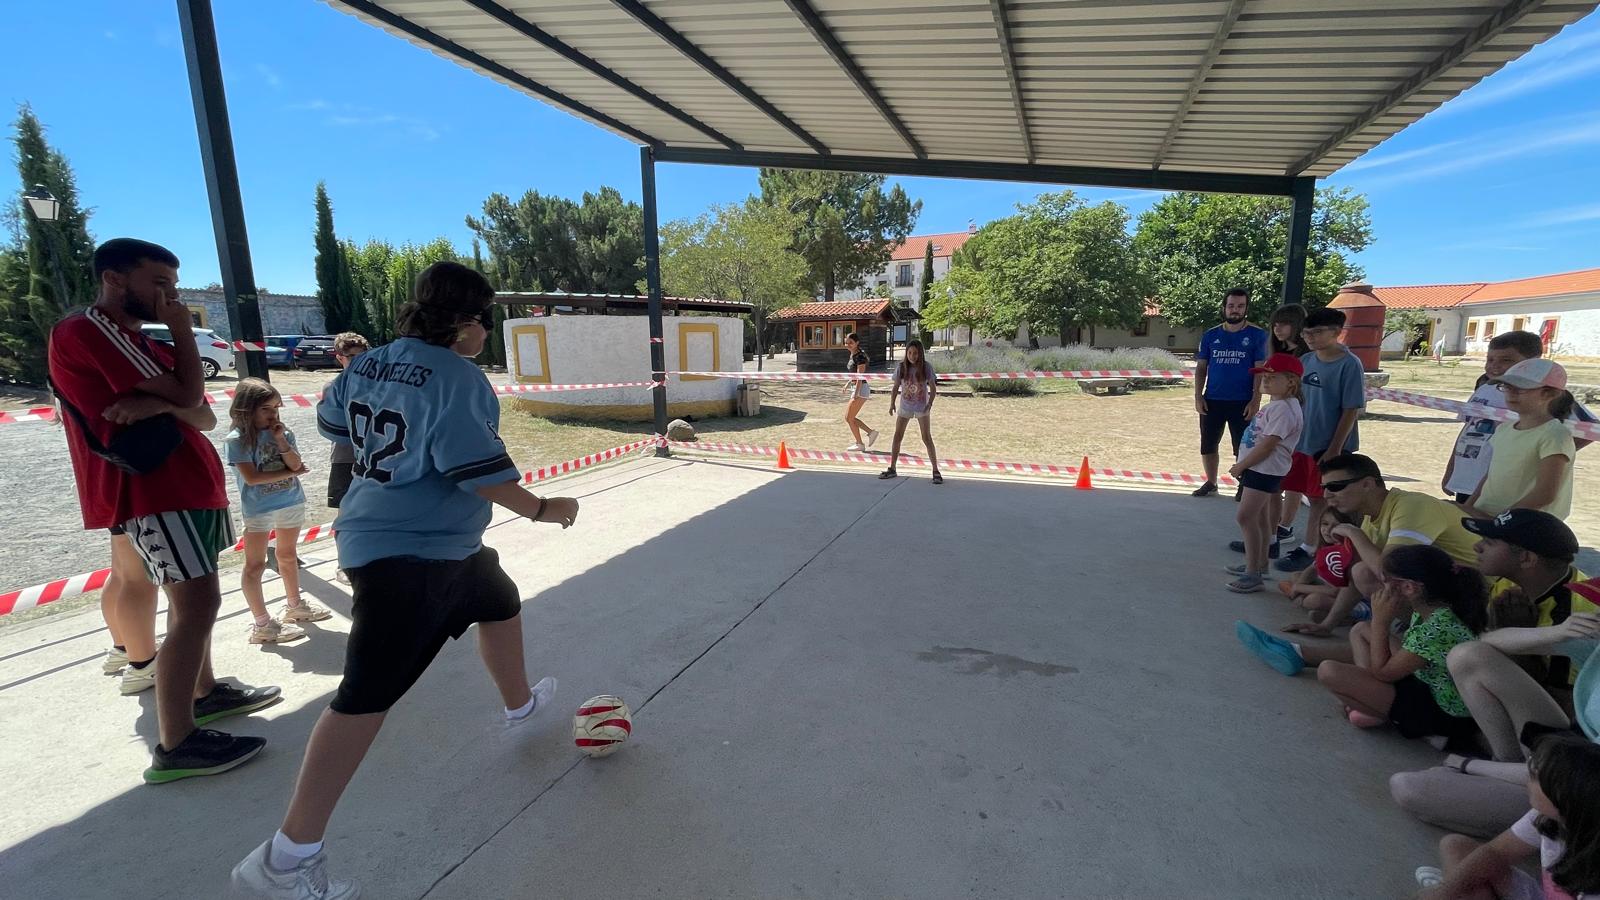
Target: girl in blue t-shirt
(267,466)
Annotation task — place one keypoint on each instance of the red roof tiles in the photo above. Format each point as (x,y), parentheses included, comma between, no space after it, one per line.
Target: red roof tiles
(943,245)
(1440,296)
(839,309)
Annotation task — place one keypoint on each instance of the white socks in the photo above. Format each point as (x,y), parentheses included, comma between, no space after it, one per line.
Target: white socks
(285,854)
(543,693)
(523,710)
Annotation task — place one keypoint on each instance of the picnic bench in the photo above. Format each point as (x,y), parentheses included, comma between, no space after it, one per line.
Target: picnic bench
(1105,386)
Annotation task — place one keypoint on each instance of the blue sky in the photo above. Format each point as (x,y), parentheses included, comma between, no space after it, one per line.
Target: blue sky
(1502,182)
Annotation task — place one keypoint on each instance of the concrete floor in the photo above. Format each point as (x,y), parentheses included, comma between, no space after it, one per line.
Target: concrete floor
(842,688)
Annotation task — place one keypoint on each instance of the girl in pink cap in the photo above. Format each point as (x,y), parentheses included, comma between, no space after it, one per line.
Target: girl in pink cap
(1531,463)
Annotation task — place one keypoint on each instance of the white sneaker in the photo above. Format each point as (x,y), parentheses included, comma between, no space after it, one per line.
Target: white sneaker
(853,448)
(340,576)
(115,660)
(543,693)
(254,879)
(275,632)
(872,437)
(136,680)
(1429,876)
(305,611)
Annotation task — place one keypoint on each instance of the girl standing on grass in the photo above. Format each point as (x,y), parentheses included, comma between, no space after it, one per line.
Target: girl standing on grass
(915,388)
(266,468)
(1264,459)
(1405,681)
(1563,826)
(858,391)
(1530,466)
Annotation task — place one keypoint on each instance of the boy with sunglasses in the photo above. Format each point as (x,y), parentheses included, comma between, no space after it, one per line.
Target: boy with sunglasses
(1353,484)
(424,424)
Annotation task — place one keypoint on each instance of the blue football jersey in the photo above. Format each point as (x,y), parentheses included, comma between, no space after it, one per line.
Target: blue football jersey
(424,424)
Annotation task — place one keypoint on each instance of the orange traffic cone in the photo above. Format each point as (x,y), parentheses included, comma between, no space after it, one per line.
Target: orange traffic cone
(1083,476)
(783,456)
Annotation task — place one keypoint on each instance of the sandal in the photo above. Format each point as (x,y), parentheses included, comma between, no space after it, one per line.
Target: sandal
(887,473)
(938,478)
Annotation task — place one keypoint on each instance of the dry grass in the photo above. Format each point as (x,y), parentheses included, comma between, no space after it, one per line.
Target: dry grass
(1148,429)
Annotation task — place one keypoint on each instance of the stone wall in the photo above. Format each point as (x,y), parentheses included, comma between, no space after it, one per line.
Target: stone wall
(280,313)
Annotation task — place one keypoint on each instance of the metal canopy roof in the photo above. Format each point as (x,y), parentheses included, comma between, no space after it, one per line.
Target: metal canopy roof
(1207,94)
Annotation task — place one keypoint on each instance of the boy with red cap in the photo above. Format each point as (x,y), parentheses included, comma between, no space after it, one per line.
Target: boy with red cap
(1265,454)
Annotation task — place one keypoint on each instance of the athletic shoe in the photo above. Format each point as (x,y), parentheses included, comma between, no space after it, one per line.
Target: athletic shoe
(306,611)
(1273,650)
(136,680)
(1238,547)
(853,448)
(276,633)
(544,694)
(1429,876)
(1204,490)
(872,437)
(1296,560)
(255,879)
(341,576)
(226,700)
(203,752)
(114,661)
(1285,532)
(1248,583)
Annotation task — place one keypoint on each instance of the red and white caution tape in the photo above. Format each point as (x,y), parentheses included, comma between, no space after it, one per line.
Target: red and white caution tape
(36,414)
(593,459)
(971,465)
(544,388)
(1587,430)
(943,376)
(242,346)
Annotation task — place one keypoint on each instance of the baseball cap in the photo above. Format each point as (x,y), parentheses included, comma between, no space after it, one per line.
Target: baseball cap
(1535,373)
(1282,362)
(1530,529)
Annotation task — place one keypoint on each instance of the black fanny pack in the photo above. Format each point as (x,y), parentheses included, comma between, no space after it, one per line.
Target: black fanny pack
(137,449)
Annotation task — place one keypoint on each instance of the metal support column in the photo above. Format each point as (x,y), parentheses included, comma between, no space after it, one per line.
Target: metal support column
(1294,265)
(652,279)
(222,180)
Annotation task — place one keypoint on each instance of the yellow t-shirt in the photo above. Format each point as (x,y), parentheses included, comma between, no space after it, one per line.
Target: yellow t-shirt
(1408,517)
(1546,605)
(1514,467)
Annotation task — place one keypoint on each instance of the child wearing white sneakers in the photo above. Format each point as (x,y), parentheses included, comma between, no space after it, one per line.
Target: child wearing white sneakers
(266,468)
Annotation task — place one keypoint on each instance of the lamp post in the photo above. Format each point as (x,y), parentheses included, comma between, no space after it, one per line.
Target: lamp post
(46,208)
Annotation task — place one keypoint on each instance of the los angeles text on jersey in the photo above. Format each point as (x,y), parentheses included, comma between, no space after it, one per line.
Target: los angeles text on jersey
(402,372)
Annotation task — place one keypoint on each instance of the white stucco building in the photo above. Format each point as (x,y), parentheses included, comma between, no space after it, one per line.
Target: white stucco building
(1563,309)
(903,274)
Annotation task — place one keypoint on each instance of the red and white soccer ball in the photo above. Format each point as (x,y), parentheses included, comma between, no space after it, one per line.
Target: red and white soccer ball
(602,725)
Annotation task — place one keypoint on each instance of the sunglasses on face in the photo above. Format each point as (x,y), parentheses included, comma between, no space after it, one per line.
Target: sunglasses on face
(1334,487)
(485,318)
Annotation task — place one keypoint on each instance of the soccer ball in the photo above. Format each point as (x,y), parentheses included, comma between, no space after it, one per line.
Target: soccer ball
(601,725)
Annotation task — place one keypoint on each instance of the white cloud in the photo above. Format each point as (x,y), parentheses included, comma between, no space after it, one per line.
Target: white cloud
(1370,162)
(110,35)
(1560,60)
(311,105)
(1570,215)
(1526,139)
(268,75)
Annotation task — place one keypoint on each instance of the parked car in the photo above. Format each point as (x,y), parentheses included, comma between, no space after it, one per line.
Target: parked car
(280,349)
(315,352)
(215,354)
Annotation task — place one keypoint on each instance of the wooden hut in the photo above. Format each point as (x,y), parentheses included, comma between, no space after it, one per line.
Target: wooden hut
(820,329)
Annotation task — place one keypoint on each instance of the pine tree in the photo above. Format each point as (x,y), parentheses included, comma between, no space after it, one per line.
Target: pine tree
(58,257)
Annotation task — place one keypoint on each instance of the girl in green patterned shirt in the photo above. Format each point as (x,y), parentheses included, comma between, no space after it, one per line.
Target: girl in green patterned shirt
(1405,680)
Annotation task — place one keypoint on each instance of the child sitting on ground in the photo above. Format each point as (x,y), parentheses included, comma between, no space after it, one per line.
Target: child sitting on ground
(1563,826)
(266,468)
(1314,588)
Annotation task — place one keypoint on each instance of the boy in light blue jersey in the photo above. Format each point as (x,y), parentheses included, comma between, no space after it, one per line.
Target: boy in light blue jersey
(424,424)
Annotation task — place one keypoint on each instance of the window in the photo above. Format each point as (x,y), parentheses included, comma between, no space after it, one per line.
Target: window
(839,331)
(812,337)
(1547,333)
(902,275)
(1520,323)
(197,315)
(1143,328)
(1488,328)
(1472,329)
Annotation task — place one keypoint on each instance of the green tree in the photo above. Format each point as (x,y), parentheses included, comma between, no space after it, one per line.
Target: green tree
(927,275)
(1199,246)
(383,276)
(342,309)
(1404,321)
(1058,264)
(58,257)
(847,226)
(961,299)
(548,243)
(736,252)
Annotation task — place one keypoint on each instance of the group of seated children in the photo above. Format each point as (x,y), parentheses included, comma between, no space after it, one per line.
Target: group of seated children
(1470,625)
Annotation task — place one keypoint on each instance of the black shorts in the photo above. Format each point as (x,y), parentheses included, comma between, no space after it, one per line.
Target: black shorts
(1259,481)
(404,610)
(1416,714)
(1222,414)
(116,530)
(339,477)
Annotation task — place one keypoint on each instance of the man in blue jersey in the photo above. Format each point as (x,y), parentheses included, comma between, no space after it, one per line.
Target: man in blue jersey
(1225,393)
(424,424)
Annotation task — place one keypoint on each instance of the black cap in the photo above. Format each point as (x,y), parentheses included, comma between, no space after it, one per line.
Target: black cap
(1529,529)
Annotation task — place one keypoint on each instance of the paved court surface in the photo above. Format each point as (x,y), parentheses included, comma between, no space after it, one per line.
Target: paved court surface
(843,687)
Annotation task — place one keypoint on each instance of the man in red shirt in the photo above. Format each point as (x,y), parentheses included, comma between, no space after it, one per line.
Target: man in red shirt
(109,376)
